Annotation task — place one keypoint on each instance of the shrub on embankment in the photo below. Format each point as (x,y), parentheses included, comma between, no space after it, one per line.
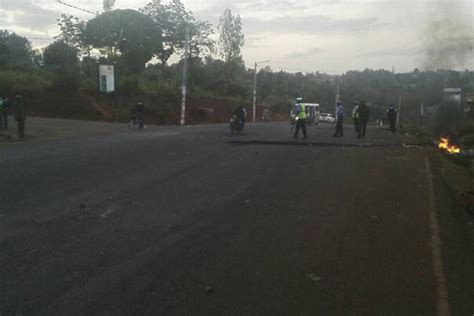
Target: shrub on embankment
(24,82)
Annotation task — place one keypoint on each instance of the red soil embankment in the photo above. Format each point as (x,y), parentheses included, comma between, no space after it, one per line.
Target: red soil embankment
(160,111)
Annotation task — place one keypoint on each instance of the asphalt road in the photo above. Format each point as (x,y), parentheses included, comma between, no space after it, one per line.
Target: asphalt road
(192,221)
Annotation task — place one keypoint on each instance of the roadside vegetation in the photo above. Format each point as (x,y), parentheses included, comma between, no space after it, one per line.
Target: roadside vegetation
(147,48)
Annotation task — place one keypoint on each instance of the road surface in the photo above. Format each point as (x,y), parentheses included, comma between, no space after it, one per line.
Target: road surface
(192,221)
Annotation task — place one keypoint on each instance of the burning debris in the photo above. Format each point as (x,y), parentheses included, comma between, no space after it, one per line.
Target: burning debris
(446,146)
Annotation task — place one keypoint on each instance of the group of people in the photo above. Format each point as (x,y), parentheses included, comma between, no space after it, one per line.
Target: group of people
(360,117)
(18,111)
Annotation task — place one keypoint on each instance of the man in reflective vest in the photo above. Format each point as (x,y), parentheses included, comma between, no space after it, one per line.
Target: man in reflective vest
(355,116)
(300,117)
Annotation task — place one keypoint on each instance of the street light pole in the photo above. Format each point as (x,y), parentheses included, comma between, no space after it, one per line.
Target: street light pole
(254,93)
(185,80)
(254,112)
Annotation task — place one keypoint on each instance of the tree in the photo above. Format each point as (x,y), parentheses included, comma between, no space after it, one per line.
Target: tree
(62,60)
(231,41)
(231,38)
(201,44)
(173,19)
(15,51)
(128,35)
(108,5)
(60,55)
(4,55)
(72,32)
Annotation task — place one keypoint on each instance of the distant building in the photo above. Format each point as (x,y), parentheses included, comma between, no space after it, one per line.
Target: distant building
(453,95)
(469,106)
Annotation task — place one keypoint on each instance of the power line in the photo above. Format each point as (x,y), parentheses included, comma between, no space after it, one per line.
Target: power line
(39,38)
(77,8)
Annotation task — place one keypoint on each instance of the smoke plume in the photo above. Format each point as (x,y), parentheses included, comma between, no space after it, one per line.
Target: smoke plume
(448,37)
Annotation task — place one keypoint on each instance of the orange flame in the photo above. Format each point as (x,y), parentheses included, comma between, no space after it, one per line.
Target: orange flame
(444,144)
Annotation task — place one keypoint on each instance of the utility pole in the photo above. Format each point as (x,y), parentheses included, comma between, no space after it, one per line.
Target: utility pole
(422,114)
(398,110)
(185,79)
(254,112)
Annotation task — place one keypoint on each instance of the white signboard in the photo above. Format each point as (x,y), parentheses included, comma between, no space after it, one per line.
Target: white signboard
(106,78)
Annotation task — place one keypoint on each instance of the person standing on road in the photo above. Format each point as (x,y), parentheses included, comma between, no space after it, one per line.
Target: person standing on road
(392,117)
(140,115)
(355,116)
(300,117)
(243,118)
(364,116)
(240,113)
(339,119)
(20,115)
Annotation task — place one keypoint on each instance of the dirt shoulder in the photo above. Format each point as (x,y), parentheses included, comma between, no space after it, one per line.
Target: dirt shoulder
(47,129)
(460,181)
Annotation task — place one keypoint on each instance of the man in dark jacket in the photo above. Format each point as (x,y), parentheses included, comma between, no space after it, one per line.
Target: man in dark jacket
(392,117)
(140,115)
(364,116)
(20,115)
(240,113)
(339,119)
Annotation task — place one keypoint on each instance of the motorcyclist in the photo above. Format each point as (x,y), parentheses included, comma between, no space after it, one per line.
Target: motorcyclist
(240,113)
(140,115)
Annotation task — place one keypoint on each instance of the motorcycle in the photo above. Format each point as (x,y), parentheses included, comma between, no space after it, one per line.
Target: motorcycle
(137,121)
(140,120)
(235,125)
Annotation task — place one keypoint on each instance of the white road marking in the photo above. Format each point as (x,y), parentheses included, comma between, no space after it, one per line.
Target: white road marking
(443,308)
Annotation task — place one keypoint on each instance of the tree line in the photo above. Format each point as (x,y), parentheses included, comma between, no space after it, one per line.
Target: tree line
(142,43)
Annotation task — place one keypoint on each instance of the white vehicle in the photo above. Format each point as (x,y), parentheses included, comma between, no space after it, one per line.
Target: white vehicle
(327,117)
(312,113)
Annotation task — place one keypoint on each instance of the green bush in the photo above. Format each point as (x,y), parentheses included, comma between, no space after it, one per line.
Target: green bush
(89,85)
(156,88)
(14,81)
(128,85)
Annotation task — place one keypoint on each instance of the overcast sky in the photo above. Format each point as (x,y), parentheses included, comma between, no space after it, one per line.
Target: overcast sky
(307,35)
